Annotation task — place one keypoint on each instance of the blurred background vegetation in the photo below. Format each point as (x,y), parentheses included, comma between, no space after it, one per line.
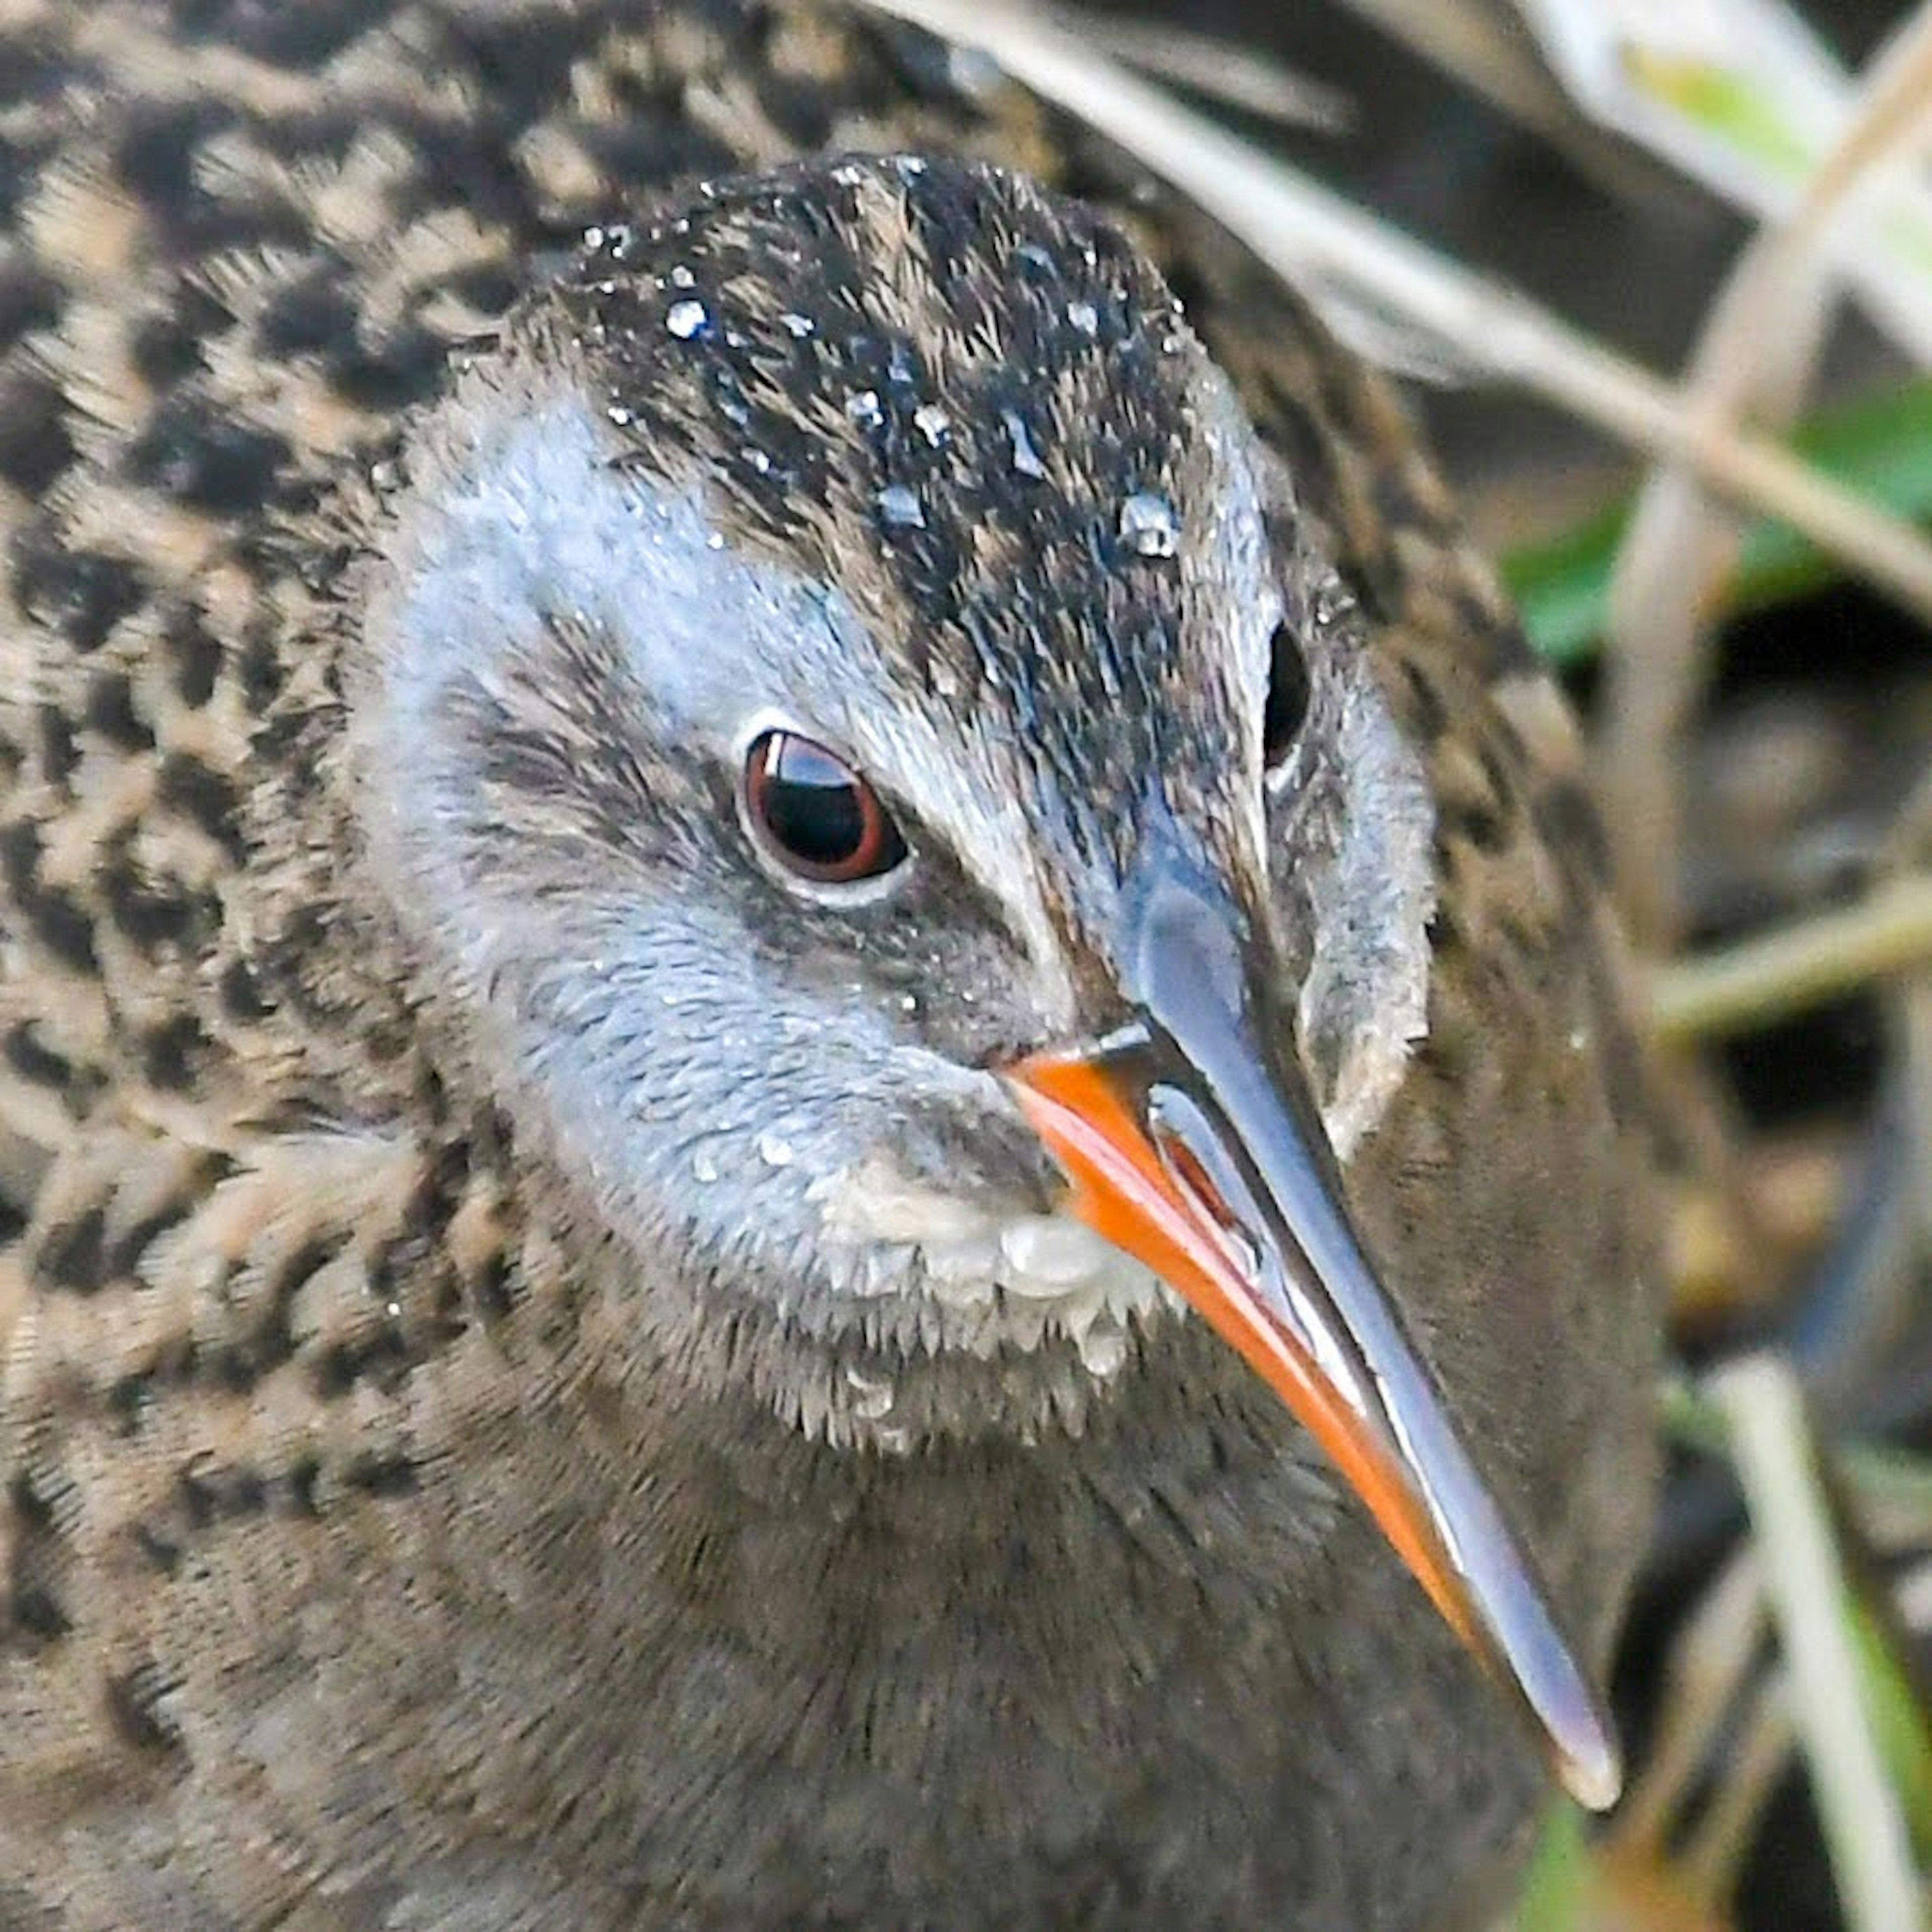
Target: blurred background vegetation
(1672,311)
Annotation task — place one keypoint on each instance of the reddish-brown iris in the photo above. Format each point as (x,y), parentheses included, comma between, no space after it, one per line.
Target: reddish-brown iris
(815,815)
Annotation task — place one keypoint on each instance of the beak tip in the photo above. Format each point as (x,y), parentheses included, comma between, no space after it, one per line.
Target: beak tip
(1592,1771)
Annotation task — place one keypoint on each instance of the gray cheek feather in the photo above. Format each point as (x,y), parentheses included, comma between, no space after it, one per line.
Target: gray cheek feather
(692,1099)
(532,519)
(521,514)
(1366,998)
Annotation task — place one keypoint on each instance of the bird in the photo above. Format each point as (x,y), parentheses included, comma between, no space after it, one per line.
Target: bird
(817,1105)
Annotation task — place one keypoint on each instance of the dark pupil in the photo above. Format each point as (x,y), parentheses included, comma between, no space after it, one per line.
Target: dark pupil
(812,803)
(1287,697)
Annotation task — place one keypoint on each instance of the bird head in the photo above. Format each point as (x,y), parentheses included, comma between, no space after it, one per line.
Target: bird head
(904,813)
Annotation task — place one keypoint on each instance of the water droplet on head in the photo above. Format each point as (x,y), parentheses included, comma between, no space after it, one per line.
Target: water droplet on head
(774,1149)
(620,414)
(1084,316)
(797,324)
(901,508)
(1026,457)
(593,237)
(703,1167)
(759,461)
(1148,525)
(686,318)
(932,422)
(862,406)
(681,277)
(385,476)
(911,166)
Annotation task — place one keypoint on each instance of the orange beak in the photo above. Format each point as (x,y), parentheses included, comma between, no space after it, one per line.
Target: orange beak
(1191,1148)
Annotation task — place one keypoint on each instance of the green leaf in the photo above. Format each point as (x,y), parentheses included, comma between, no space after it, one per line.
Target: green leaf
(1880,446)
(1898,1721)
(1557,1884)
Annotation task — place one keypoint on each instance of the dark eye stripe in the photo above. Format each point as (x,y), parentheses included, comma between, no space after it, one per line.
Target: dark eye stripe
(815,815)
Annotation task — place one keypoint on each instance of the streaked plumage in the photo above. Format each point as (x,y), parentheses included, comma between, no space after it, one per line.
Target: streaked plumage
(479,1450)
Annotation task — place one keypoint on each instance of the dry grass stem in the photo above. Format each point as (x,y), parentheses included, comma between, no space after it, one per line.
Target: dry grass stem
(1890,131)
(1753,365)
(1708,1666)
(1483,49)
(1714,1853)
(1887,933)
(1235,76)
(1864,1828)
(1914,1598)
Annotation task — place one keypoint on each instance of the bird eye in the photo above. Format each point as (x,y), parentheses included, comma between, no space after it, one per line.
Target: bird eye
(1287,706)
(816,816)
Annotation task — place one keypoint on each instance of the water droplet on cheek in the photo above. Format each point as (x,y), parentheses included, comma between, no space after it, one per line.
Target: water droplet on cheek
(703,1167)
(872,1396)
(932,422)
(1148,526)
(774,1149)
(1103,1348)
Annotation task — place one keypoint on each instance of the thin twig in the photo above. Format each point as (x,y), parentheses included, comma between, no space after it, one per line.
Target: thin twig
(1871,1853)
(1753,365)
(1236,76)
(1763,979)
(1710,1659)
(1365,268)
(1720,1840)
(1889,130)
(1484,49)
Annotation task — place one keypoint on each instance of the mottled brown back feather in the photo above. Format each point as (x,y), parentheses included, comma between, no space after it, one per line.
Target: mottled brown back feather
(239,1209)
